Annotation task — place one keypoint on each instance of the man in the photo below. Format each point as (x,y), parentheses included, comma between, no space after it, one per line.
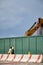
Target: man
(10,50)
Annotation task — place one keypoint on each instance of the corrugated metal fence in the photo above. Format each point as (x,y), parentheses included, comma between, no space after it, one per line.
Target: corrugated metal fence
(22,45)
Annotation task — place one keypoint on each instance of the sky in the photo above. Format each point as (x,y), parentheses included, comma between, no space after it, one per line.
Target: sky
(17,16)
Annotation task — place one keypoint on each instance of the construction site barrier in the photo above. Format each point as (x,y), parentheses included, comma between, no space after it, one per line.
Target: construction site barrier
(21,58)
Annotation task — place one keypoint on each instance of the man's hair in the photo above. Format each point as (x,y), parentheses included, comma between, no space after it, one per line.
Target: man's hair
(11,47)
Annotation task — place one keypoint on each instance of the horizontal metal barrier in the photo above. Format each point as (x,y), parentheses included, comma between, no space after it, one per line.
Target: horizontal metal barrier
(21,58)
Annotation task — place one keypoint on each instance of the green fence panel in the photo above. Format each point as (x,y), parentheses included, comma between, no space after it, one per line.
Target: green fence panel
(18,45)
(33,45)
(7,45)
(2,46)
(40,45)
(26,45)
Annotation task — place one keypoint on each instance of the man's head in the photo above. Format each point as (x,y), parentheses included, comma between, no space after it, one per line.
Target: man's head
(11,47)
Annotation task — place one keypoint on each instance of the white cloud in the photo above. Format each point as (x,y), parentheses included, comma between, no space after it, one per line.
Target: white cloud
(10,14)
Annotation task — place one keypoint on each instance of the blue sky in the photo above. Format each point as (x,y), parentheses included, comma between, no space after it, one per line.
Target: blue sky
(17,16)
